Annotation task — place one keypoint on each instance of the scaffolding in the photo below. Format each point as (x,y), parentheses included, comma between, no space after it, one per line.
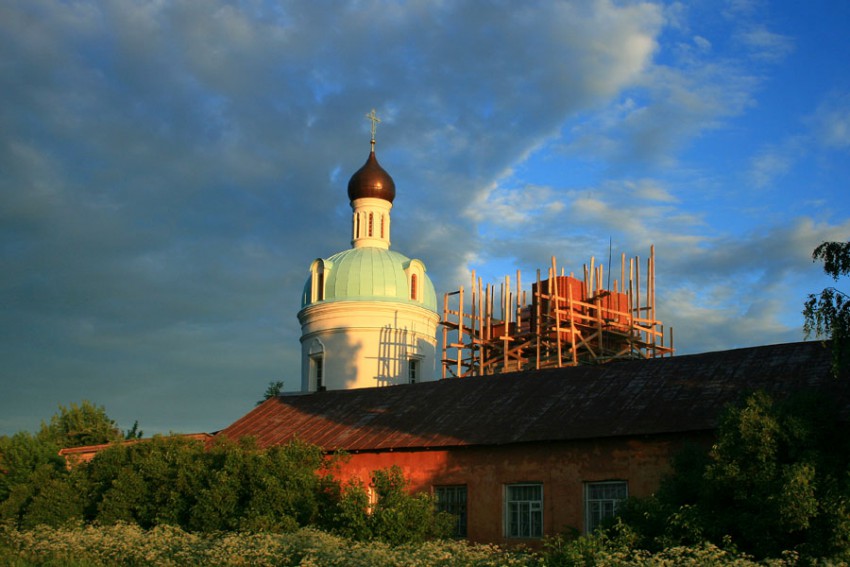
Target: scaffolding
(569,321)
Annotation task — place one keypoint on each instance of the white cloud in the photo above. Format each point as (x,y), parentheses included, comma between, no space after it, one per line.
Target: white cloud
(831,121)
(774,161)
(765,45)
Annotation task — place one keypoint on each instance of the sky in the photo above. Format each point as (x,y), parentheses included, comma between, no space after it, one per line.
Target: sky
(169,169)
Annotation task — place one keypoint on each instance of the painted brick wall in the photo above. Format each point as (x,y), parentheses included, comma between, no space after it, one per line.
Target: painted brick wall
(561,467)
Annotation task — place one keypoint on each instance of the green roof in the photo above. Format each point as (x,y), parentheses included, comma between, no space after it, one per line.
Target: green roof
(370,273)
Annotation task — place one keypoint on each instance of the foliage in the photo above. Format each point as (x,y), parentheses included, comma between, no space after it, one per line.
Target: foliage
(80,425)
(152,482)
(393,515)
(178,481)
(776,479)
(128,544)
(400,517)
(617,547)
(245,488)
(350,518)
(828,314)
(274,390)
(21,455)
(134,432)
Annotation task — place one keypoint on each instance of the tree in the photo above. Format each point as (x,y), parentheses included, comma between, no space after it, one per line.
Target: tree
(274,390)
(134,432)
(775,479)
(828,314)
(80,425)
(22,454)
(399,517)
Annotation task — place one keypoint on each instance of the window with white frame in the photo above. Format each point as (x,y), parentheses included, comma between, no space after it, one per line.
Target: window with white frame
(452,499)
(320,285)
(602,500)
(524,510)
(317,287)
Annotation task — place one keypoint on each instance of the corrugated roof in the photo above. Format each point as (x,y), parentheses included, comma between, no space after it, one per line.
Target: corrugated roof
(642,397)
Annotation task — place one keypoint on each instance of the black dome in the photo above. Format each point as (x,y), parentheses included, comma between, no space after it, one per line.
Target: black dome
(371,181)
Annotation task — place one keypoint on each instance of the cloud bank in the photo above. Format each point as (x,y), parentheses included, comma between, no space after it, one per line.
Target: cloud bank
(169,170)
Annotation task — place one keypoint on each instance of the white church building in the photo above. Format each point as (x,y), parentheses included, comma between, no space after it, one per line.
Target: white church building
(368,314)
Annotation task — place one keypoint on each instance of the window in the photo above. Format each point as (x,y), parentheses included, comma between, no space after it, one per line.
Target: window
(524,510)
(371,223)
(317,364)
(413,370)
(452,499)
(602,500)
(317,282)
(413,286)
(382,226)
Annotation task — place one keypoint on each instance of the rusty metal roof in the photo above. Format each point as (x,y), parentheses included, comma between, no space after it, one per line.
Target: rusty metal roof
(641,397)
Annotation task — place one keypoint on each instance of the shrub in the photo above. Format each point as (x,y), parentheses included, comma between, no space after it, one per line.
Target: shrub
(777,479)
(400,517)
(127,544)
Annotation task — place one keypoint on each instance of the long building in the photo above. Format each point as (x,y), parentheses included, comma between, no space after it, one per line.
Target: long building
(518,456)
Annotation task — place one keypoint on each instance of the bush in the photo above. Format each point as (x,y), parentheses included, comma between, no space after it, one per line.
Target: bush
(777,479)
(127,544)
(400,517)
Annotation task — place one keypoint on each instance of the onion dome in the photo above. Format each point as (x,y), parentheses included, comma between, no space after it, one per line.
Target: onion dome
(371,181)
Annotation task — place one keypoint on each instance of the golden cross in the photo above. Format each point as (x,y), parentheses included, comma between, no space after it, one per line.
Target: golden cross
(374,118)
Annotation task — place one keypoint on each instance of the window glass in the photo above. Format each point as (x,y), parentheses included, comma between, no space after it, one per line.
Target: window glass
(413,370)
(524,510)
(452,499)
(318,371)
(602,500)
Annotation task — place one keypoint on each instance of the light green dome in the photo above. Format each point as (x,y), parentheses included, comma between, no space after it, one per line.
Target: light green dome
(371,273)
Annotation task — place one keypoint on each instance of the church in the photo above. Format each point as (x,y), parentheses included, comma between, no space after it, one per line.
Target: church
(516,456)
(368,314)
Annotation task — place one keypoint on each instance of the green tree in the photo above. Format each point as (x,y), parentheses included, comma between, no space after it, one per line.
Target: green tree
(80,425)
(828,314)
(134,432)
(350,516)
(399,517)
(777,478)
(21,455)
(34,483)
(170,470)
(56,498)
(247,488)
(274,389)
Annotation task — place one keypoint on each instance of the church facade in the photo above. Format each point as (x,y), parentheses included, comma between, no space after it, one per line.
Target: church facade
(368,314)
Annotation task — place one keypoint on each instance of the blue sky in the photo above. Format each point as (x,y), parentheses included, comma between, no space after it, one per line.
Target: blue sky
(168,171)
